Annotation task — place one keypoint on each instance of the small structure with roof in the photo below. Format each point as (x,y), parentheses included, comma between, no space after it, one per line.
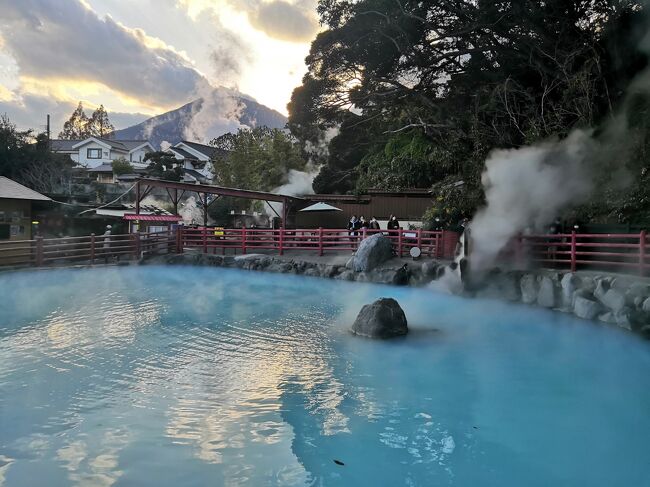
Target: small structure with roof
(16,209)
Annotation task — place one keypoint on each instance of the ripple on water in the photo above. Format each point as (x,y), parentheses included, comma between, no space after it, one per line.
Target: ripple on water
(138,376)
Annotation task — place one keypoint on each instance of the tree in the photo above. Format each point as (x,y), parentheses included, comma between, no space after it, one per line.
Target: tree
(26,158)
(122,166)
(422,91)
(258,159)
(163,165)
(77,126)
(99,125)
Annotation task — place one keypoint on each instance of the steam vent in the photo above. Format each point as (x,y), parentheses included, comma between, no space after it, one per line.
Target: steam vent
(384,318)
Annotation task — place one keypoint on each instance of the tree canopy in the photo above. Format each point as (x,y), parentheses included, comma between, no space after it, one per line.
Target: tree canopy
(79,126)
(422,91)
(25,157)
(258,159)
(163,165)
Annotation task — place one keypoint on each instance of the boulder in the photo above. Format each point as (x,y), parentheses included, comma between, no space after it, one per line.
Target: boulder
(372,251)
(646,305)
(546,293)
(586,308)
(613,299)
(382,319)
(430,268)
(569,284)
(528,285)
(402,276)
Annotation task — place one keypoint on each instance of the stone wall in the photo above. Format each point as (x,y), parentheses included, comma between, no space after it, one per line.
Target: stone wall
(613,299)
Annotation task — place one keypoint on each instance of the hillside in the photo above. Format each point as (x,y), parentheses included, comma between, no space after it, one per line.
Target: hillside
(171,126)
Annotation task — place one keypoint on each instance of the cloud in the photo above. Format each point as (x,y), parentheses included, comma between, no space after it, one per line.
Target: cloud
(286,20)
(29,111)
(68,40)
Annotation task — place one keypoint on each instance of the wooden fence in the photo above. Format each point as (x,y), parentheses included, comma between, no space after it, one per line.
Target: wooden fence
(439,245)
(620,252)
(91,249)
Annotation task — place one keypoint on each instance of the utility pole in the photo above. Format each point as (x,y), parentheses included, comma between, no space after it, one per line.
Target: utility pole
(47,131)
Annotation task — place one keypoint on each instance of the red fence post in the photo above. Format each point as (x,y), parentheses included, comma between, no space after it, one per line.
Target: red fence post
(243,240)
(439,237)
(363,233)
(204,237)
(642,243)
(92,248)
(573,252)
(281,241)
(399,242)
(39,251)
(420,239)
(179,240)
(320,241)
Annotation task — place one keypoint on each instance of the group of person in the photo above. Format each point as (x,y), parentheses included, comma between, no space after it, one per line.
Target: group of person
(358,224)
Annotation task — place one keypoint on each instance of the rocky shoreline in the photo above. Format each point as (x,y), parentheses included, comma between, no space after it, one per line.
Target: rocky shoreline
(623,301)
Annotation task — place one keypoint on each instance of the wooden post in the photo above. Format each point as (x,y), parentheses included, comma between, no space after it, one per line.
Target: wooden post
(179,239)
(281,241)
(399,242)
(243,240)
(320,241)
(137,246)
(642,243)
(438,244)
(92,248)
(573,252)
(137,198)
(39,251)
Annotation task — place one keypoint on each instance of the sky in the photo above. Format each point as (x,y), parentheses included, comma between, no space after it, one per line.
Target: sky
(143,57)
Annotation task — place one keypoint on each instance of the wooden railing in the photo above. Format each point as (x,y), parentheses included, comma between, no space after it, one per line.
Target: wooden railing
(320,240)
(91,249)
(629,253)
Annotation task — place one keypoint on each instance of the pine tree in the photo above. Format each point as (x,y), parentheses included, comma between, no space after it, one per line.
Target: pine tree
(77,125)
(99,125)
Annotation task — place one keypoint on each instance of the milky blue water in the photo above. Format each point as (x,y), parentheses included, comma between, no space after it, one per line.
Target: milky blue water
(179,376)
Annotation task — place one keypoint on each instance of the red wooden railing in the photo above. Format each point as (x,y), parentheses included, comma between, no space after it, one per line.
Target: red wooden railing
(92,249)
(319,240)
(611,251)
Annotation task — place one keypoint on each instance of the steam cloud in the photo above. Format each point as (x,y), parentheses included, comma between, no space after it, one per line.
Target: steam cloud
(527,188)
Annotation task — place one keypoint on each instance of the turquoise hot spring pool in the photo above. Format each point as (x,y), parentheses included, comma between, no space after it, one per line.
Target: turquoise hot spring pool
(179,376)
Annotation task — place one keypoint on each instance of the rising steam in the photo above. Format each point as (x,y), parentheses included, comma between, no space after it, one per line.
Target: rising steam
(527,188)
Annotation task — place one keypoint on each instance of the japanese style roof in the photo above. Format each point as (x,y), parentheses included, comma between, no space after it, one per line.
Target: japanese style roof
(196,175)
(63,145)
(183,153)
(206,150)
(12,190)
(153,218)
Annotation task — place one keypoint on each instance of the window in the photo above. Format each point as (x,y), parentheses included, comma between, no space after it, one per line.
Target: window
(4,232)
(93,153)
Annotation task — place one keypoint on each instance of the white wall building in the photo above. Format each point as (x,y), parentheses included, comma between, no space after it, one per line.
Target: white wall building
(94,151)
(197,161)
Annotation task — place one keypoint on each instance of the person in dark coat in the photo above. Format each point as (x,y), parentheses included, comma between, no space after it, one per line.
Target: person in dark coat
(374,224)
(362,222)
(353,225)
(393,223)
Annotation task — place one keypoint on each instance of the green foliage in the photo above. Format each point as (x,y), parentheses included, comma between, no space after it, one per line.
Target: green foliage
(122,166)
(163,165)
(79,126)
(257,159)
(423,91)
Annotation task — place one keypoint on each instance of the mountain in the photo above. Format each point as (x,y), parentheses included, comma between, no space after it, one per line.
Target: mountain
(203,119)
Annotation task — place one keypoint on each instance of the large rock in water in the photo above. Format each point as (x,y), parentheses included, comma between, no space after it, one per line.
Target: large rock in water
(382,319)
(372,251)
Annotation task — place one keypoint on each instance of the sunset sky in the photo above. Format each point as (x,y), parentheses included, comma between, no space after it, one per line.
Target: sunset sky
(143,57)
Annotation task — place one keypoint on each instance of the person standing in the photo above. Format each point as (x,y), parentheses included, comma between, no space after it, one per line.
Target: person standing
(393,223)
(374,224)
(353,225)
(362,222)
(107,243)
